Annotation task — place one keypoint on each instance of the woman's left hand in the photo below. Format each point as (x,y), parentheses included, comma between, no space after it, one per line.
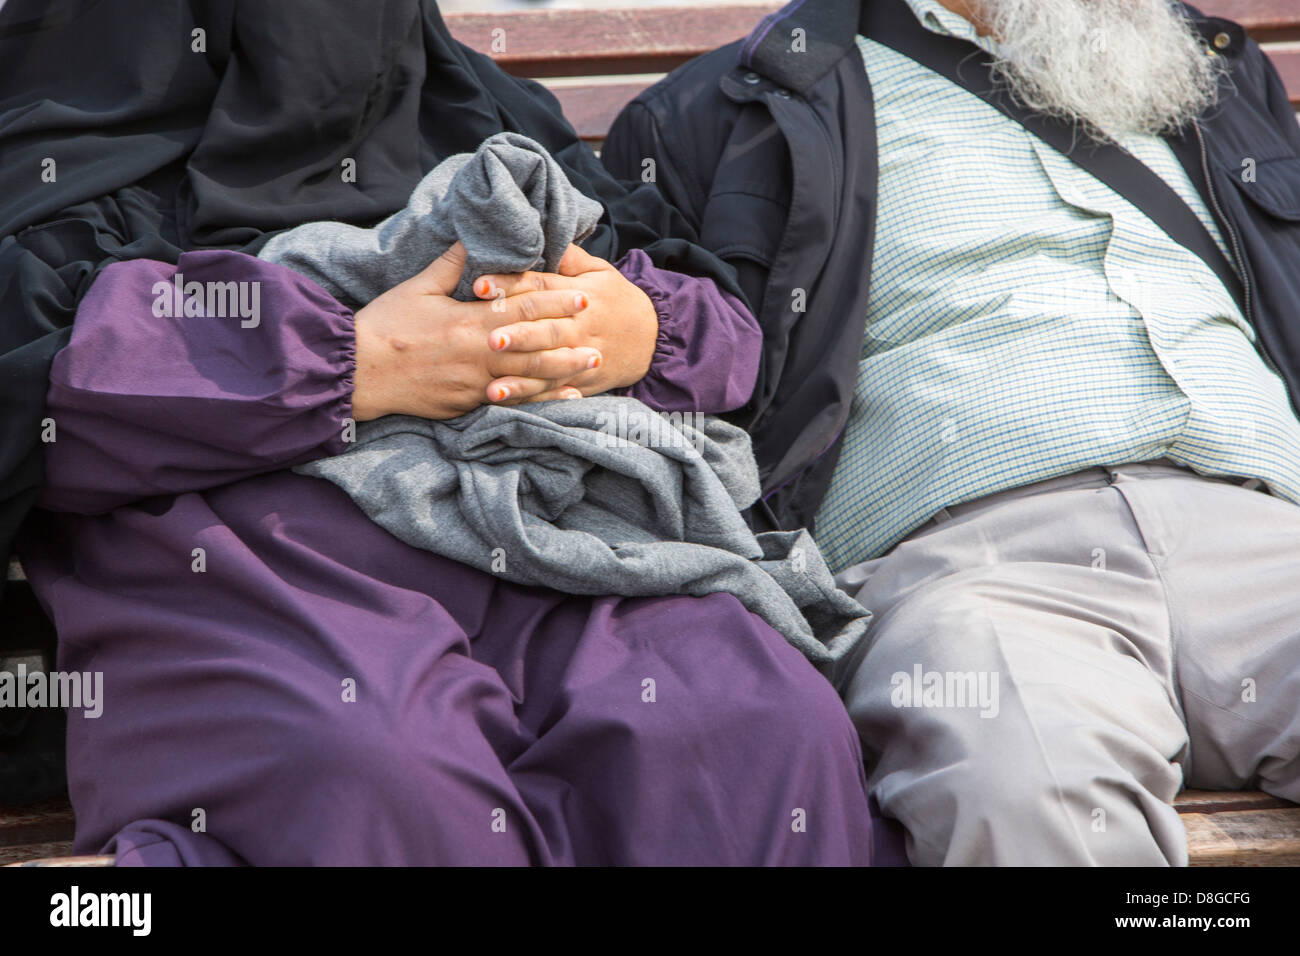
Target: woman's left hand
(619,320)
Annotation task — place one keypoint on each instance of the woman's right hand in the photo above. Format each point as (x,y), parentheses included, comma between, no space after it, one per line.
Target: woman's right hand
(421,352)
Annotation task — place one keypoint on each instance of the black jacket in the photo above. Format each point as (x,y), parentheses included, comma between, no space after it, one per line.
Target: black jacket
(770,152)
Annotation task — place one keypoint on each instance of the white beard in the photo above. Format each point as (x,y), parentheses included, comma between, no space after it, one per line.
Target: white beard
(1115,67)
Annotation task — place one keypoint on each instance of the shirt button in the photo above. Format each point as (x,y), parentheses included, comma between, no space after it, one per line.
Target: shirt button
(1222,41)
(751,77)
(784,94)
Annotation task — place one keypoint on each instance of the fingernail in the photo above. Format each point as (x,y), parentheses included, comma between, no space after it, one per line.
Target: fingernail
(572,394)
(500,393)
(482,287)
(593,361)
(580,300)
(500,341)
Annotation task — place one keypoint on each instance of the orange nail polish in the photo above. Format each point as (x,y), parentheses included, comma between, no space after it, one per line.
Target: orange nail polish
(581,300)
(501,393)
(500,341)
(593,361)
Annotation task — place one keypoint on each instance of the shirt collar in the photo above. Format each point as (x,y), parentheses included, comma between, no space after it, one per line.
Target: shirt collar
(937,18)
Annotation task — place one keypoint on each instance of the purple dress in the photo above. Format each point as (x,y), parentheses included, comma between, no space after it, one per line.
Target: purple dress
(286,683)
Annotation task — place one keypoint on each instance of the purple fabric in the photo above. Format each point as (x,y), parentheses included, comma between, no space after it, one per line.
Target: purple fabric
(709,345)
(147,405)
(160,843)
(477,702)
(234,401)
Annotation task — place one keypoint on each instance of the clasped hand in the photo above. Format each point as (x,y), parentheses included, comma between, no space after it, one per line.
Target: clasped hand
(531,337)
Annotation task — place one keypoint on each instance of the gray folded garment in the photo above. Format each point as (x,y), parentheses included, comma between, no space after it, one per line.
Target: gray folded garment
(597,496)
(509,202)
(591,496)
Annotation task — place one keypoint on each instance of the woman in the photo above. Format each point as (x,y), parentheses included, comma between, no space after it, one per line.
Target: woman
(284,682)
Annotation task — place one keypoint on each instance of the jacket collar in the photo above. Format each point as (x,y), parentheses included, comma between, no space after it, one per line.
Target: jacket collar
(798,44)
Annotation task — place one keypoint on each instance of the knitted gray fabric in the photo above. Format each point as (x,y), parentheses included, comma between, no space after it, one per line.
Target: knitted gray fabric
(592,496)
(508,202)
(561,495)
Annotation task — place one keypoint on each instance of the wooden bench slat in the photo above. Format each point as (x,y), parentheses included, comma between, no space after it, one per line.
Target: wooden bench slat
(59,859)
(46,821)
(540,43)
(1224,828)
(1287,61)
(592,109)
(1227,801)
(1244,838)
(27,852)
(1265,20)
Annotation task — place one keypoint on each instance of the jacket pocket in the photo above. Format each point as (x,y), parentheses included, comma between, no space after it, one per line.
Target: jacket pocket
(1274,187)
(744,225)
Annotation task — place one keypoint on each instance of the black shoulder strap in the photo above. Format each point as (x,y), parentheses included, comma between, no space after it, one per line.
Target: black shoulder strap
(893,23)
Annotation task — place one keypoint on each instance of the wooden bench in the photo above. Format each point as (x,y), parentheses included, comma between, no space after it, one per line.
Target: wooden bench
(597,60)
(1228,828)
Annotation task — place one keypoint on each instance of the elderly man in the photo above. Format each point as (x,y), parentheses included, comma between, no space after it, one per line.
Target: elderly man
(285,682)
(1028,274)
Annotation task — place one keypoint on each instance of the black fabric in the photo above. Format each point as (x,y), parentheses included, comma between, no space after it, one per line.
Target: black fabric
(775,185)
(32,753)
(162,143)
(771,154)
(892,23)
(795,43)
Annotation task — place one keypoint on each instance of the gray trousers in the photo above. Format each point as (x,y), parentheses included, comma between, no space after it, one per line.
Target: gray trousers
(1048,666)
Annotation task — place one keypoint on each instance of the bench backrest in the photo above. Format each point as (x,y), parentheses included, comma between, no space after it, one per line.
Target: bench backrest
(597,60)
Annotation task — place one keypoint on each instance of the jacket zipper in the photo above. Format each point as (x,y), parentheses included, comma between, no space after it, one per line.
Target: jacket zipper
(1238,258)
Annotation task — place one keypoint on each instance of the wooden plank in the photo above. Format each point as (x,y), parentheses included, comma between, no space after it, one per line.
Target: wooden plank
(1265,20)
(1224,828)
(1219,801)
(44,822)
(1239,828)
(36,831)
(1244,838)
(591,109)
(1287,62)
(29,853)
(539,43)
